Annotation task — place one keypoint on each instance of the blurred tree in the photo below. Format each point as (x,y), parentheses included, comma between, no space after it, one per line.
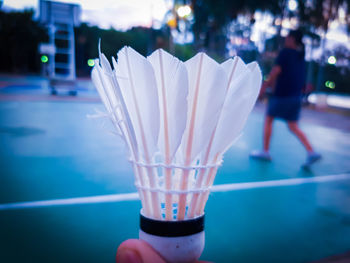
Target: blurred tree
(319,14)
(20,36)
(212,16)
(143,40)
(184,52)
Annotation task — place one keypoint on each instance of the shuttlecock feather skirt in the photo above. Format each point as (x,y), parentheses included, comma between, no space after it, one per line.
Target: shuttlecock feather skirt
(177,120)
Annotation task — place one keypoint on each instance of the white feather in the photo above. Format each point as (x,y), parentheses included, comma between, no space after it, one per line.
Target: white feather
(109,90)
(172,84)
(241,97)
(233,68)
(138,86)
(104,86)
(207,88)
(106,77)
(239,102)
(101,74)
(99,86)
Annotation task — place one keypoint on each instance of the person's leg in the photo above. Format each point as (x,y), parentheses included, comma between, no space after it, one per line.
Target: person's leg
(264,154)
(311,155)
(294,128)
(267,132)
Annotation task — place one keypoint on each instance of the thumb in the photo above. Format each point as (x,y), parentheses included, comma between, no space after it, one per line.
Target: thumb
(137,251)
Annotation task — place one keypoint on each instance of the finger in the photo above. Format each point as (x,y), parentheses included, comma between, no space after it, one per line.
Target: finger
(137,251)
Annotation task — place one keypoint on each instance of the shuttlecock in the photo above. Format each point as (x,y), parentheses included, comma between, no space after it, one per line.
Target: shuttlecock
(177,119)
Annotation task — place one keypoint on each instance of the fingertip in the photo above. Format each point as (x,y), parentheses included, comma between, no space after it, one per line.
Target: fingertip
(130,243)
(137,251)
(127,253)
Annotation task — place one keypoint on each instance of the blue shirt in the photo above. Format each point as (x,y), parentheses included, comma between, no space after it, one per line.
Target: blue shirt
(290,82)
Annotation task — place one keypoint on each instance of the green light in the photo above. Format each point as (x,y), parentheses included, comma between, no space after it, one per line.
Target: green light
(91,62)
(332,60)
(330,84)
(44,59)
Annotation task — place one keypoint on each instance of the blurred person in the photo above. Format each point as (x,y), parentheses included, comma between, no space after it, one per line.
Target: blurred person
(287,78)
(138,251)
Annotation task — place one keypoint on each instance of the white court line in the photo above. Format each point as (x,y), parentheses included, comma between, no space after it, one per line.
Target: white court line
(135,196)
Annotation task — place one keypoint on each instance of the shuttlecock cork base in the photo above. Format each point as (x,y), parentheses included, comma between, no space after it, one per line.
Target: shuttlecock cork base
(176,241)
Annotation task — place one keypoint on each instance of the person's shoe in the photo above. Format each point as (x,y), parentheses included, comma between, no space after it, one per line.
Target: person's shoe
(261,155)
(312,158)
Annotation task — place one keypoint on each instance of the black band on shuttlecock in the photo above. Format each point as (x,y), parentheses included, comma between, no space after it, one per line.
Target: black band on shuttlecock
(171,228)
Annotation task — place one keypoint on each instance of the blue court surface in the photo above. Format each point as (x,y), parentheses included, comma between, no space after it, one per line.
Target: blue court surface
(259,211)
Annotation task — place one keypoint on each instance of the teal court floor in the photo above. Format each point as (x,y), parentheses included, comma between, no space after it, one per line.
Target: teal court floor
(50,150)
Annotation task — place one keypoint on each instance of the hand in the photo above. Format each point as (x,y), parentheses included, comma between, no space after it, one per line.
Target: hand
(138,251)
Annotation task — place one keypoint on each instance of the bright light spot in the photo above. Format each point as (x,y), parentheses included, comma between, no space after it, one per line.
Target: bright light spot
(312,98)
(172,23)
(257,15)
(334,24)
(332,60)
(181,38)
(330,84)
(278,22)
(337,36)
(292,5)
(184,11)
(342,14)
(262,26)
(254,37)
(272,30)
(286,24)
(91,62)
(284,32)
(331,100)
(294,22)
(44,59)
(338,101)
